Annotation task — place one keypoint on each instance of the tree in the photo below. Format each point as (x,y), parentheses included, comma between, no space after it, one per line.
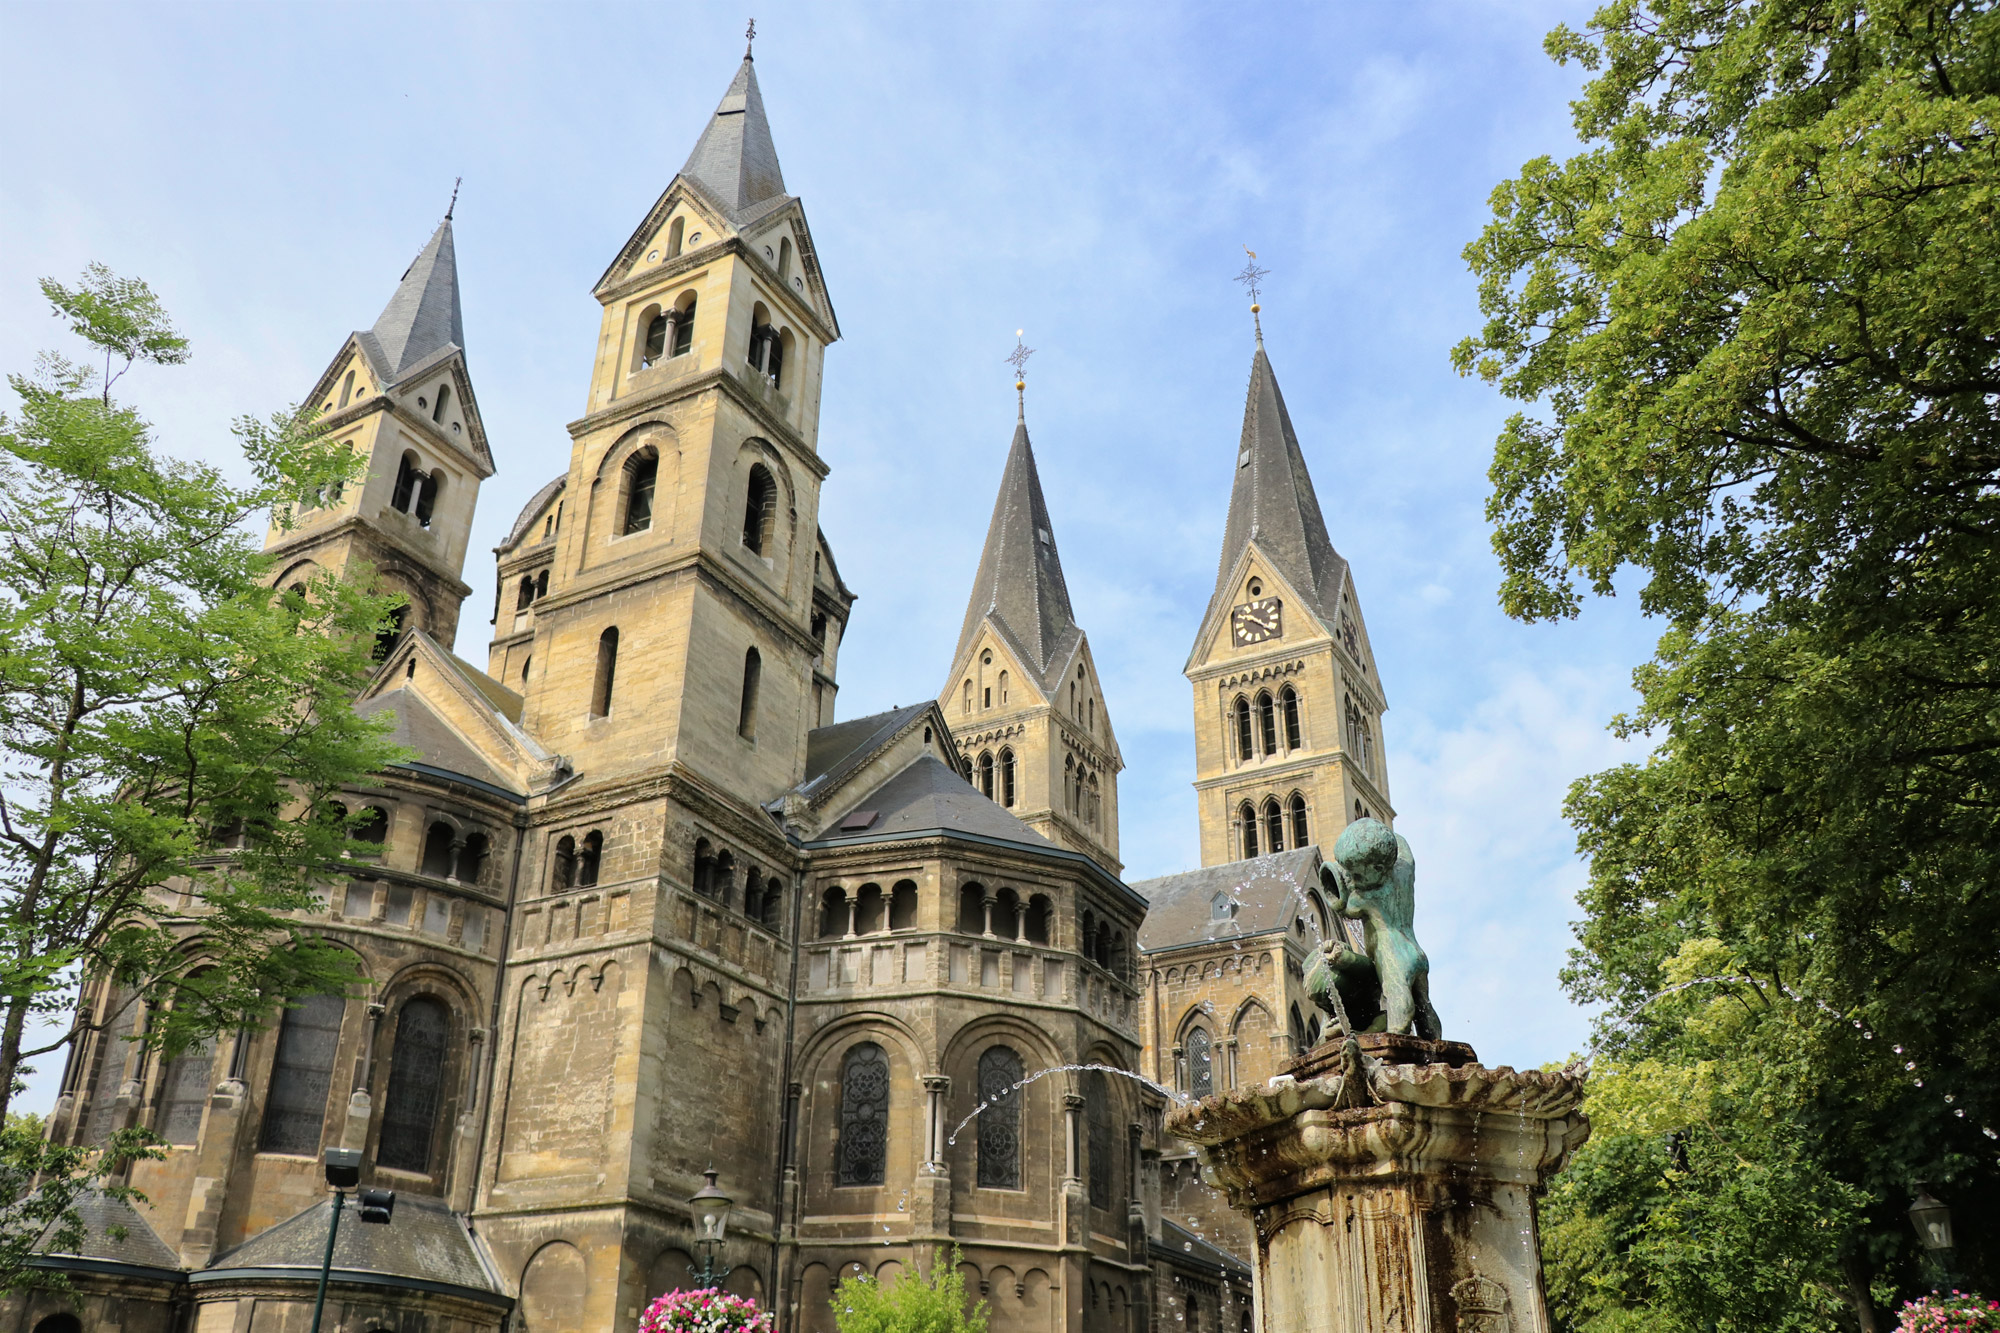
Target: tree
(173,730)
(913,1303)
(1757,322)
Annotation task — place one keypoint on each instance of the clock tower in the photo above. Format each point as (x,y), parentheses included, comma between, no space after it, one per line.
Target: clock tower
(1287,702)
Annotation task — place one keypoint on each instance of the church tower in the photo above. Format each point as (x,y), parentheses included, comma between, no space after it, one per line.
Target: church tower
(399,395)
(1287,702)
(1023,698)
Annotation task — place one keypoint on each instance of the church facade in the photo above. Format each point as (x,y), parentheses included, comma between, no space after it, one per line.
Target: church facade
(640,906)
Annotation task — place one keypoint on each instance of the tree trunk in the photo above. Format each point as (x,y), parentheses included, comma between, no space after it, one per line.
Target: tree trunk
(1858,1296)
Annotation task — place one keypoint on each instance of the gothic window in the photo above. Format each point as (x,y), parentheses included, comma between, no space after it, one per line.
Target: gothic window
(655,348)
(1319,917)
(587,858)
(1200,1063)
(1246,823)
(683,329)
(903,905)
(1274,825)
(1298,1030)
(1267,721)
(562,874)
(374,826)
(1000,1122)
(301,1076)
(1300,833)
(965,766)
(642,474)
(112,1052)
(759,501)
(1353,726)
(1367,748)
(184,1092)
(1098,1149)
(416,1077)
(1069,783)
(471,859)
(437,850)
(864,1116)
(746,711)
(674,233)
(1006,772)
(1096,802)
(607,673)
(1246,746)
(443,401)
(986,774)
(1288,703)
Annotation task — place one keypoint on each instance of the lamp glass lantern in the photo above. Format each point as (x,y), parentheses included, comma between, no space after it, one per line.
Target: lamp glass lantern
(1932,1220)
(711,1211)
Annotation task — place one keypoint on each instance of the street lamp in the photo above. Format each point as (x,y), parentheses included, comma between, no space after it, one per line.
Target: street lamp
(343,1173)
(1932,1220)
(711,1223)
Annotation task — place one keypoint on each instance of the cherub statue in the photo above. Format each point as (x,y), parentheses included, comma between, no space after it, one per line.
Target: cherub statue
(1373,878)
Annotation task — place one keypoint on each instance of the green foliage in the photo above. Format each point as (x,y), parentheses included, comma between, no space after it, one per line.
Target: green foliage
(913,1303)
(1756,322)
(173,731)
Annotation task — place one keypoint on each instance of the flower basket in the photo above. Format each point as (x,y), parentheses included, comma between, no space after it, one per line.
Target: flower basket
(1959,1312)
(708,1311)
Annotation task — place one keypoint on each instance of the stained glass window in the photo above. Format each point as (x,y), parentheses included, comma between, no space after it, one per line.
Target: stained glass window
(112,1052)
(416,1076)
(301,1076)
(1000,1122)
(184,1092)
(1200,1064)
(864,1116)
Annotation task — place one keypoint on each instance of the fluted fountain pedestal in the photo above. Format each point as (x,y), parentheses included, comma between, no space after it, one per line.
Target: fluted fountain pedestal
(1392,1184)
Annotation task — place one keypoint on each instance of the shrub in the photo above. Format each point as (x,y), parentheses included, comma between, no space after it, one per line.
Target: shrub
(912,1303)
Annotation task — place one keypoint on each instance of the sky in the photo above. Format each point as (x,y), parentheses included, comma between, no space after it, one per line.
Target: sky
(1088,174)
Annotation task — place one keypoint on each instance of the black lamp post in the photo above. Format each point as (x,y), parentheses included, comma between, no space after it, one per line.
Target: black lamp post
(343,1172)
(711,1223)
(1932,1220)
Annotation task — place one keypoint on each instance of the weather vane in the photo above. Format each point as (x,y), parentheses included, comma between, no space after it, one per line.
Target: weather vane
(452,207)
(1018,359)
(749,39)
(1250,277)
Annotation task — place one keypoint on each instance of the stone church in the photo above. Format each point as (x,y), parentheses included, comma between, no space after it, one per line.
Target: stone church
(642,905)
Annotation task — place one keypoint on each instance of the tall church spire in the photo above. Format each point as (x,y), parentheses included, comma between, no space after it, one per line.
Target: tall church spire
(1020,580)
(1273,503)
(735,160)
(423,317)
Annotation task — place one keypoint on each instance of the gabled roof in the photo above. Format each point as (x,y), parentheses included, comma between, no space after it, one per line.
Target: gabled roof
(542,500)
(113,1232)
(424,1242)
(418,727)
(840,748)
(1020,579)
(423,317)
(928,797)
(734,161)
(1274,505)
(1265,892)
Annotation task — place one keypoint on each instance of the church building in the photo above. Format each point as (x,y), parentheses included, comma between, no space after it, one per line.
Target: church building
(642,907)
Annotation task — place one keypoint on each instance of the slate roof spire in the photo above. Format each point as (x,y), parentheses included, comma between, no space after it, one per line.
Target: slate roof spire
(423,316)
(1273,502)
(735,160)
(1020,580)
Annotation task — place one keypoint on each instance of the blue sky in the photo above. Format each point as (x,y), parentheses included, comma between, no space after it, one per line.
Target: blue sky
(1090,175)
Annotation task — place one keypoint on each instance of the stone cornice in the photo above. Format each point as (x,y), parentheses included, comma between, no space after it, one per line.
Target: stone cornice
(719,378)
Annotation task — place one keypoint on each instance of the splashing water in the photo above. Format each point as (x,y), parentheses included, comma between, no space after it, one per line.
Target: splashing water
(1178,1098)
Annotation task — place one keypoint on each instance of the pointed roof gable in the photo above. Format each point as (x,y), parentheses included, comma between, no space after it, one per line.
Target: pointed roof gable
(1020,580)
(423,317)
(735,160)
(1273,504)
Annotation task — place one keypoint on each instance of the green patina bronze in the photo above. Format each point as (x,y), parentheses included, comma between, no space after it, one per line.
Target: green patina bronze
(1386,988)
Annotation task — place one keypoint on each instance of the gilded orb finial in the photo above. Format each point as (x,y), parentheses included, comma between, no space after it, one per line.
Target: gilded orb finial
(1250,277)
(1018,359)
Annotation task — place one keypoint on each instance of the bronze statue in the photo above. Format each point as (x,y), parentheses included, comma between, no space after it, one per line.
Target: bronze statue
(1373,878)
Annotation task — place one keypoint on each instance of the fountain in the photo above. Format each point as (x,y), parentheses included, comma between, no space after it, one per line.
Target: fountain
(1391,1179)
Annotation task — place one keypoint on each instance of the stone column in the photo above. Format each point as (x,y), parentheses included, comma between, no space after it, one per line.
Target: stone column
(1392,1185)
(930,1201)
(988,902)
(360,1103)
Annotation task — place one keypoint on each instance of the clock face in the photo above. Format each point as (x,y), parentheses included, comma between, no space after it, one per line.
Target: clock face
(1259,620)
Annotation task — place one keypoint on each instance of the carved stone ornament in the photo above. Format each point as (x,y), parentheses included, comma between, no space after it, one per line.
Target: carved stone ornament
(1482,1305)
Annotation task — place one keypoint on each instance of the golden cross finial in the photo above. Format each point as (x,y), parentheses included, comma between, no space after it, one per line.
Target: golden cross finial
(1018,359)
(1250,277)
(749,39)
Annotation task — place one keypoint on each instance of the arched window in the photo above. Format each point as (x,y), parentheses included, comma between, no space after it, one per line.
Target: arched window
(429,487)
(385,638)
(746,712)
(443,401)
(1352,734)
(773,904)
(1274,825)
(642,474)
(986,774)
(542,585)
(1246,746)
(868,909)
(1096,802)
(416,1079)
(759,501)
(1319,917)
(903,905)
(864,1116)
(60,1323)
(347,389)
(301,1076)
(1006,774)
(184,1092)
(607,673)
(753,892)
(1367,748)
(1102,1158)
(674,233)
(967,707)
(1288,703)
(1000,1122)
(654,349)
(1035,925)
(437,850)
(526,662)
(1246,822)
(409,474)
(1301,835)
(965,766)
(526,597)
(374,826)
(833,913)
(682,324)
(1298,1031)
(562,873)
(785,257)
(1003,689)
(1267,722)
(471,859)
(587,858)
(1006,914)
(972,909)
(1200,1063)
(777,351)
(1069,783)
